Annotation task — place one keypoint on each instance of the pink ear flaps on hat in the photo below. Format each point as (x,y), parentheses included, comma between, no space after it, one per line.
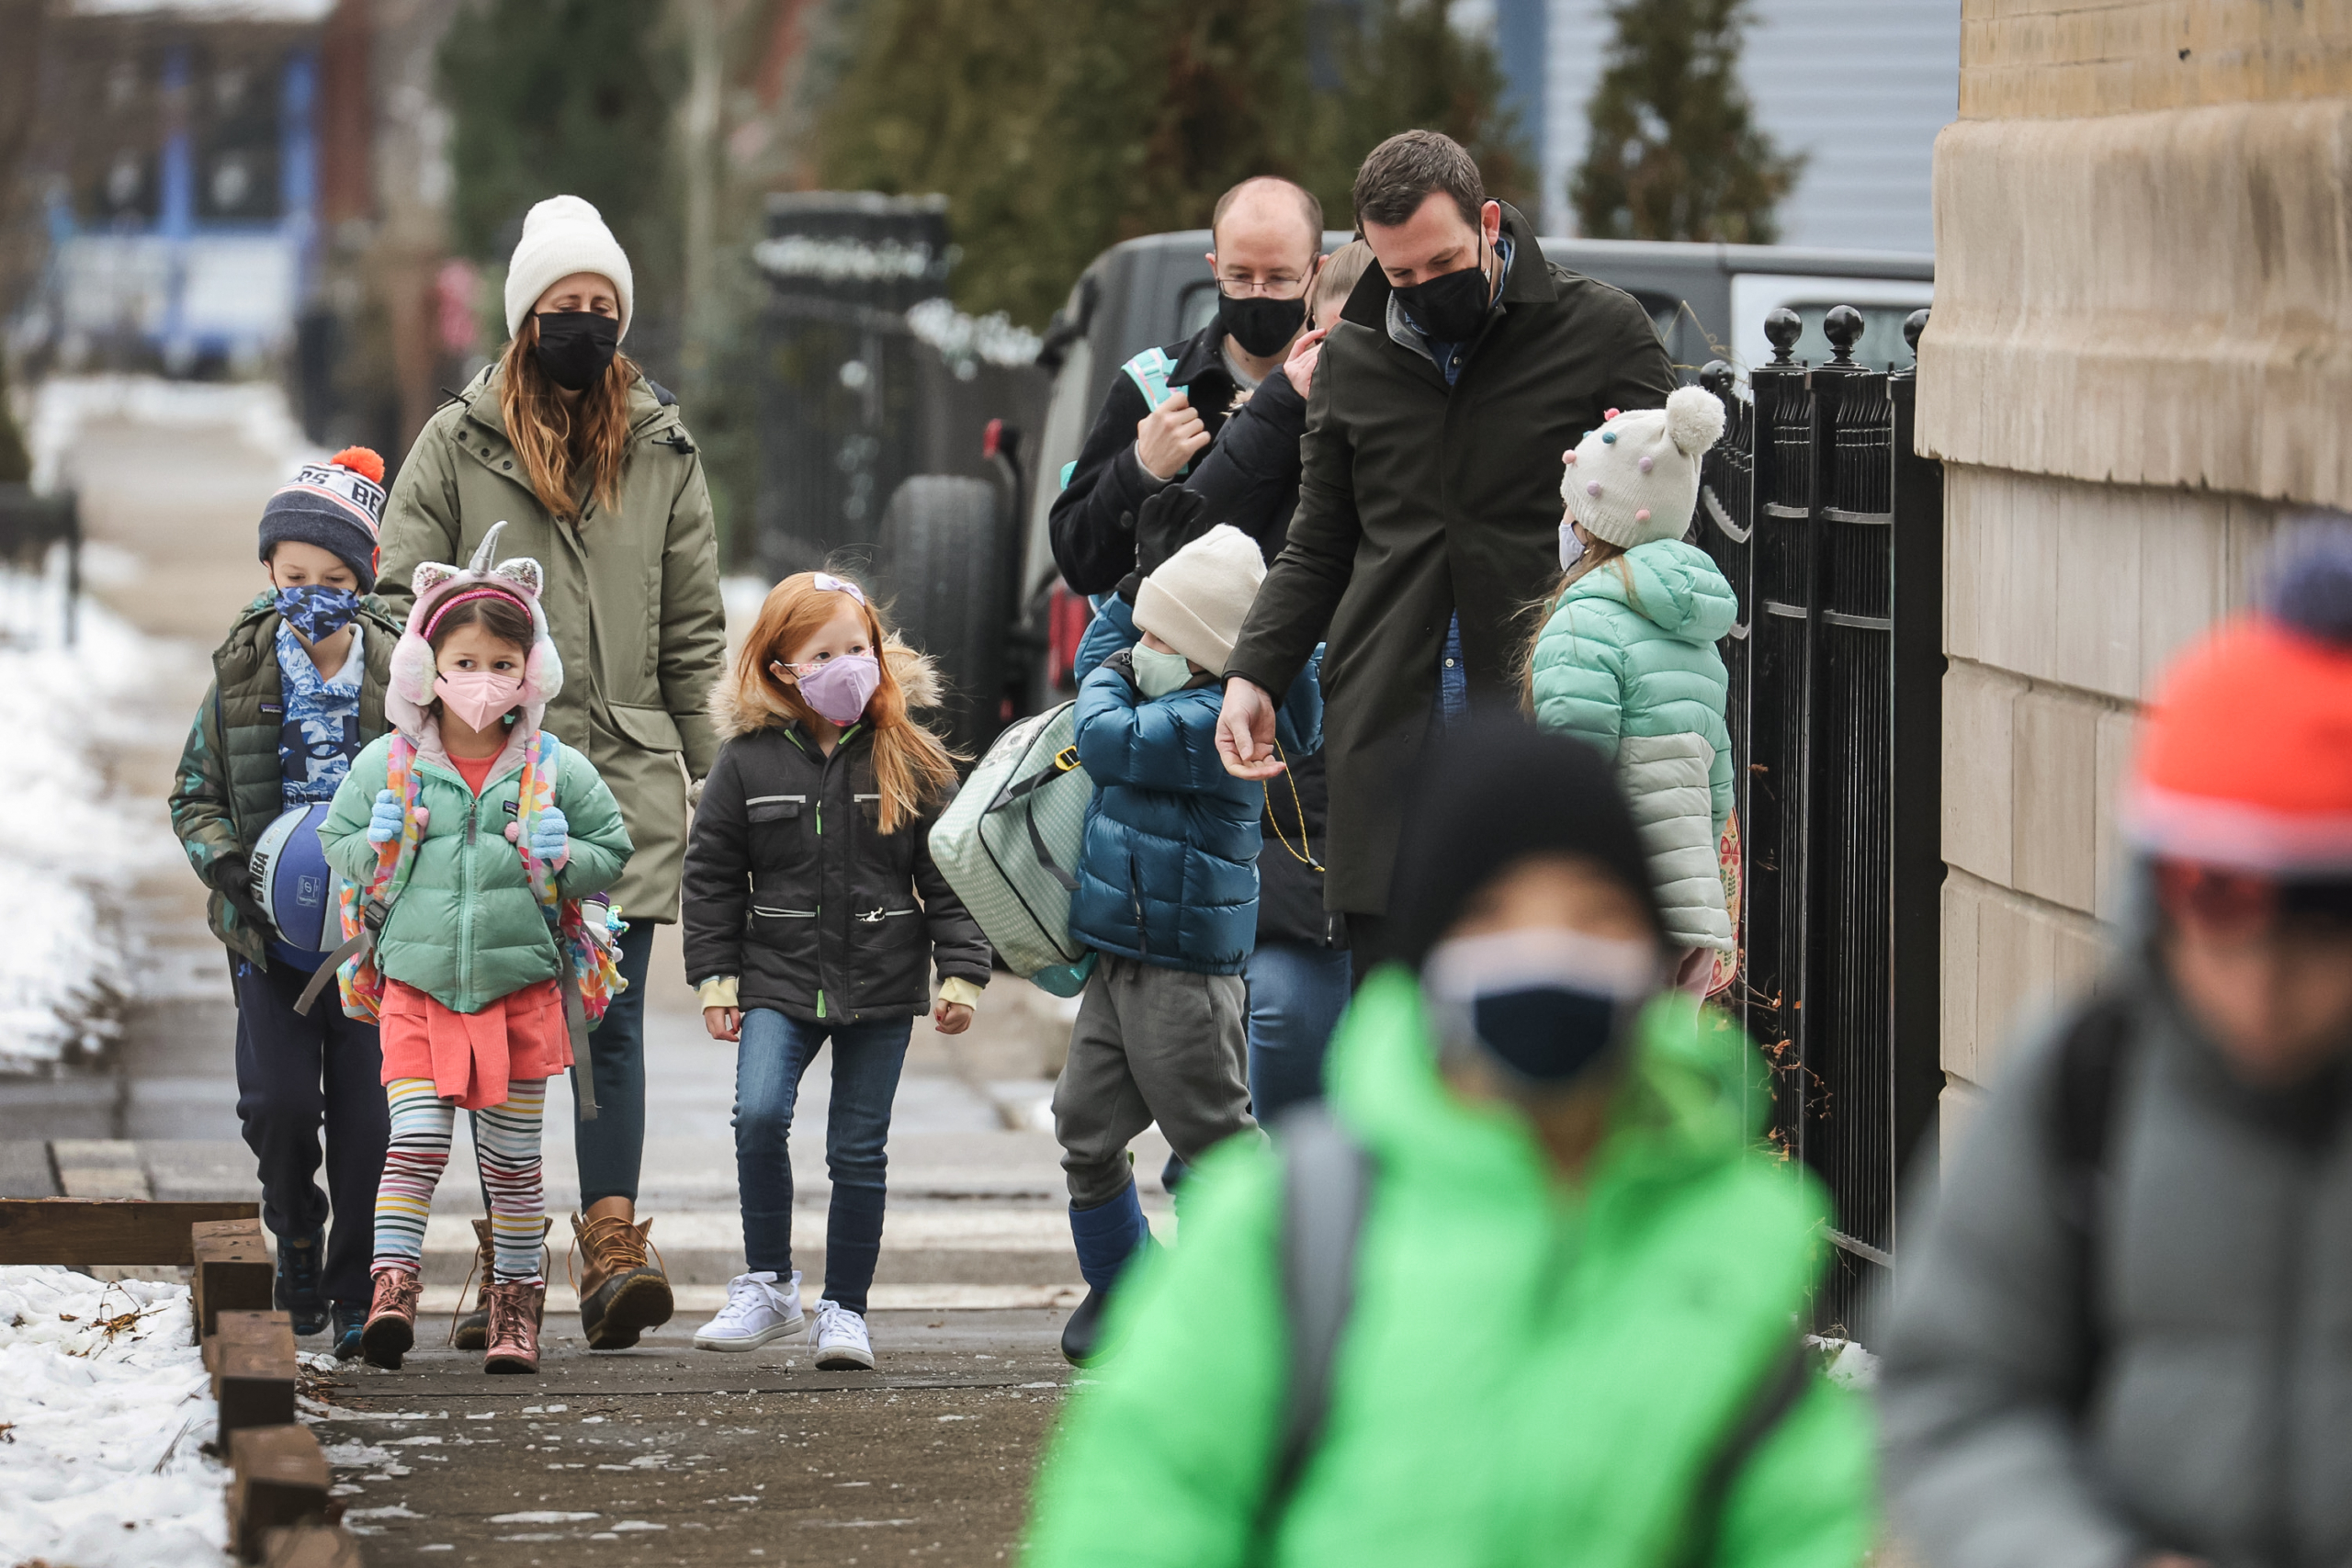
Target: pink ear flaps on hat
(439,587)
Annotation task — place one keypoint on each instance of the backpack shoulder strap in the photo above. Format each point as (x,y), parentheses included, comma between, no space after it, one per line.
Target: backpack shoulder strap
(2080,1129)
(1148,370)
(1785,1382)
(1326,1186)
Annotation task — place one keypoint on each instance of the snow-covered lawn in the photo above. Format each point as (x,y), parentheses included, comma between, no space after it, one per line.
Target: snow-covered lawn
(104,1411)
(64,844)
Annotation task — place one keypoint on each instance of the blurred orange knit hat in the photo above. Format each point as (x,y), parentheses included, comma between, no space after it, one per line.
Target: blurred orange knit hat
(2244,758)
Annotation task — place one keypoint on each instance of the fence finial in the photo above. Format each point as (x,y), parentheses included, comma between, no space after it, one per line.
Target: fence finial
(1913,325)
(1843,327)
(1783,327)
(1715,377)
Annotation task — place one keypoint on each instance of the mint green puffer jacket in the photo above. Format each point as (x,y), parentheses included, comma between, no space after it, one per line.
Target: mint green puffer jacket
(467,929)
(1628,662)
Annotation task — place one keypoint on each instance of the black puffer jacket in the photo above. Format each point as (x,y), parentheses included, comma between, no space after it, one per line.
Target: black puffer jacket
(791,887)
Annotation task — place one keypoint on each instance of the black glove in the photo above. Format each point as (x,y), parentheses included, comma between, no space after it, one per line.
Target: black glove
(1172,519)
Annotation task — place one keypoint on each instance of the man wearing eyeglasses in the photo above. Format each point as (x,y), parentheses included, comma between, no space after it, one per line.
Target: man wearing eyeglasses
(1168,404)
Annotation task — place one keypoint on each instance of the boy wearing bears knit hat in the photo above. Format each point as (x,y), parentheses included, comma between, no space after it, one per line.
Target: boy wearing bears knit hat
(298,688)
(1166,896)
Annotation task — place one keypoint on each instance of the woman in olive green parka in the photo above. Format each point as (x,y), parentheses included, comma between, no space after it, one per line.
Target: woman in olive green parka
(590,466)
(1579,1280)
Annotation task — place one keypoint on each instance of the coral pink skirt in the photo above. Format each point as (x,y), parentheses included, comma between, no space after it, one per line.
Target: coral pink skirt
(471,1058)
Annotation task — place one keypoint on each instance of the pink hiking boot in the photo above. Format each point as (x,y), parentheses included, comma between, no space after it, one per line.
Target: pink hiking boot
(514,1335)
(390,1328)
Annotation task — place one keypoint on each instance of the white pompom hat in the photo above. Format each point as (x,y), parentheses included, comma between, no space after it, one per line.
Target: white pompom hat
(1637,477)
(560,236)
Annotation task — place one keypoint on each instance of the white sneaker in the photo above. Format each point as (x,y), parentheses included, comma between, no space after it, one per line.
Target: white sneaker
(839,1334)
(755,1313)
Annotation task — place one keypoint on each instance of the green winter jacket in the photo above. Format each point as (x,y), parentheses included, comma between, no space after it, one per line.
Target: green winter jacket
(466,929)
(631,597)
(1531,1373)
(1628,661)
(228,790)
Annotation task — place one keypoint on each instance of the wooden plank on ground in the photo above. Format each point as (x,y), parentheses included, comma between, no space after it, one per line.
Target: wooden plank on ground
(279,1479)
(312,1546)
(252,1363)
(233,1272)
(131,1232)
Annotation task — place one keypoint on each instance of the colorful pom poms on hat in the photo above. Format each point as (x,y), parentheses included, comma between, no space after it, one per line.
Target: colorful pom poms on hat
(1608,438)
(1592,486)
(361,460)
(1610,414)
(1642,515)
(1646,465)
(1571,459)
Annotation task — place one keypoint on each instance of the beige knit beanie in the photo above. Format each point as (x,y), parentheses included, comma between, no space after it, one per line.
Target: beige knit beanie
(1197,600)
(1637,477)
(560,236)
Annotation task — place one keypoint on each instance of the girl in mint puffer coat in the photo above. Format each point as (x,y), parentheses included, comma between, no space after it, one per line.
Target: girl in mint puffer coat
(1626,658)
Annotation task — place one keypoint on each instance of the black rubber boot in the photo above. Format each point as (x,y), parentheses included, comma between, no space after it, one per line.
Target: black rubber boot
(298,1283)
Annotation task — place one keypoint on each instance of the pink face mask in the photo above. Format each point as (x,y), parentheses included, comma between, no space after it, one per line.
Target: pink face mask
(478,696)
(840,687)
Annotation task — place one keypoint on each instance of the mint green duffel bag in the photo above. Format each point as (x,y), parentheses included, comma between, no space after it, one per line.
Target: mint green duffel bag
(1008,843)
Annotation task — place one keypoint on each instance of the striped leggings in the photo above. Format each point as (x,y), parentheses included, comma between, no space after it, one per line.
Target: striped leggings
(506,1145)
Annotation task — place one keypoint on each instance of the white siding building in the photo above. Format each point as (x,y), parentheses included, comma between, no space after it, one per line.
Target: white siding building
(1861,86)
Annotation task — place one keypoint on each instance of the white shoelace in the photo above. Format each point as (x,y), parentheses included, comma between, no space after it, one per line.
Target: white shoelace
(835,1320)
(745,1297)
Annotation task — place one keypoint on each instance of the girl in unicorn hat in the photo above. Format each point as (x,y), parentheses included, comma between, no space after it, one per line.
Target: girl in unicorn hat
(473,1015)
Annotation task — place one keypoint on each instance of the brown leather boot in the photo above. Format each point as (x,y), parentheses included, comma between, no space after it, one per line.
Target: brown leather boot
(472,1332)
(390,1328)
(621,1294)
(513,1309)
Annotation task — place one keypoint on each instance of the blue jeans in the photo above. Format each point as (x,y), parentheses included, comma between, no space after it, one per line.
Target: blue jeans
(774,1051)
(1296,994)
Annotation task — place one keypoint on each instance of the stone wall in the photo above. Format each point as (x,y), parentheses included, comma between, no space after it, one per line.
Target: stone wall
(2141,354)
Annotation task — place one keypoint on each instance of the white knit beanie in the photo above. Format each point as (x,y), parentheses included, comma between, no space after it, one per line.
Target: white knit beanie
(1637,477)
(1197,600)
(560,236)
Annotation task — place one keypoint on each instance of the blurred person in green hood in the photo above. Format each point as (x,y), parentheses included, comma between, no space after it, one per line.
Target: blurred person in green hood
(1553,1311)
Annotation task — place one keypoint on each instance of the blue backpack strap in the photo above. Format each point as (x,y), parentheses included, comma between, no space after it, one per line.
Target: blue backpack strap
(1148,370)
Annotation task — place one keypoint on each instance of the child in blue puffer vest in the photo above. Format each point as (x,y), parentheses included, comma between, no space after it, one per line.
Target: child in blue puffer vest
(1167,895)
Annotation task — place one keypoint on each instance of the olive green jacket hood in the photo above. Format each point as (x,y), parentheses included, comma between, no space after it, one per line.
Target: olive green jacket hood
(1532,1373)
(631,596)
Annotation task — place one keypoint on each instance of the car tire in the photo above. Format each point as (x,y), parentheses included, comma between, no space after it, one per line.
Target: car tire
(943,557)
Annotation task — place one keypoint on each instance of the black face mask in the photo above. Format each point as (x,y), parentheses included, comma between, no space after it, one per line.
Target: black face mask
(576,347)
(1451,307)
(1261,325)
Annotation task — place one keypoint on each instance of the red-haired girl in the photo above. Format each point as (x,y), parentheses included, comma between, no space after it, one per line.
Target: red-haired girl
(813,912)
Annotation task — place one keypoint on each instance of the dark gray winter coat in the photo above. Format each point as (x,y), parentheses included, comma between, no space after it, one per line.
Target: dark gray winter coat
(2181,1383)
(1418,499)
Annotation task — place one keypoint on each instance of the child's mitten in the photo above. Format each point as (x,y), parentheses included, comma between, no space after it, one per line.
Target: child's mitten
(384,822)
(550,837)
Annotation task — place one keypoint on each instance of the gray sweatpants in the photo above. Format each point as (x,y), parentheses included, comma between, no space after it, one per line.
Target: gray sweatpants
(1151,1044)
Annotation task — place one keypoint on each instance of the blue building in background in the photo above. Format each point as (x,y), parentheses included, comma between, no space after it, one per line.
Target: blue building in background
(178,168)
(1860,87)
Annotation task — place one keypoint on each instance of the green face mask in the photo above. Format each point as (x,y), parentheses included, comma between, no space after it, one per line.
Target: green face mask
(1158,673)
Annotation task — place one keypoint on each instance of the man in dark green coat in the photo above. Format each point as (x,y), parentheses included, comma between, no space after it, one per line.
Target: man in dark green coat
(1429,507)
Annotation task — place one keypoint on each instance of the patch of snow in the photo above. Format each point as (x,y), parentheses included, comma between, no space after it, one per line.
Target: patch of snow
(256,410)
(540,1517)
(846,260)
(104,1410)
(64,849)
(964,340)
(638,1524)
(1845,1362)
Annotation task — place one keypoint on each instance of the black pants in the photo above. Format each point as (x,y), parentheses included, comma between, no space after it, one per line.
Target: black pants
(1368,939)
(294,1073)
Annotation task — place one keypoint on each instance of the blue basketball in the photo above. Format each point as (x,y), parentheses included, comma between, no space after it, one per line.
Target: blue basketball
(293,883)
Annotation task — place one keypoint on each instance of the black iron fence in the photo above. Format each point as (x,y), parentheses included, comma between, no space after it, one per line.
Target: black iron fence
(1831,532)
